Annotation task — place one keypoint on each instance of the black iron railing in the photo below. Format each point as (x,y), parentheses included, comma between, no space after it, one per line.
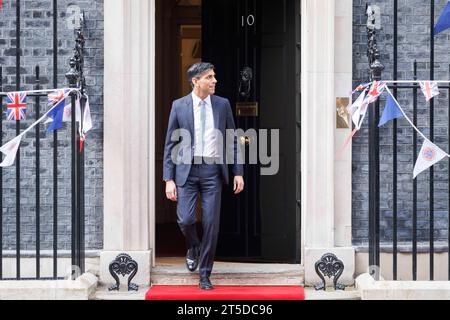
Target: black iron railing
(75,79)
(376,69)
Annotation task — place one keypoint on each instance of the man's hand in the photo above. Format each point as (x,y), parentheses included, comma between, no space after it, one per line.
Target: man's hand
(171,190)
(238,184)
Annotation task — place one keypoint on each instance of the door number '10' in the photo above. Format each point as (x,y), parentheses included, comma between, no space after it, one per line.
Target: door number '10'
(249,21)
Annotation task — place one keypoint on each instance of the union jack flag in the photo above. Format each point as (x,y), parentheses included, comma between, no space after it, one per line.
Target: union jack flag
(362,87)
(375,91)
(17,105)
(56,96)
(430,89)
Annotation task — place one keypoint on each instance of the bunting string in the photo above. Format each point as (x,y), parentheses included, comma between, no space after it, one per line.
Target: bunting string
(55,114)
(42,91)
(66,95)
(406,117)
(430,153)
(415,81)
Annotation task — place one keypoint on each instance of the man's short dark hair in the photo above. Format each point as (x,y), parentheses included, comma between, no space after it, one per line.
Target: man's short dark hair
(198,69)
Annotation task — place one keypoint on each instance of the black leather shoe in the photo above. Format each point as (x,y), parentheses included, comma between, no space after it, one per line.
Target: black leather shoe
(205,284)
(192,258)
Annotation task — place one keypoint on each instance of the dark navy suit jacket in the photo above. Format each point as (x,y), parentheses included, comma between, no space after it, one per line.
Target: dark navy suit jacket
(182,117)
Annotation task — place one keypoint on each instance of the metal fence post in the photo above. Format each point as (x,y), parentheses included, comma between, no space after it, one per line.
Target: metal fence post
(76,79)
(376,68)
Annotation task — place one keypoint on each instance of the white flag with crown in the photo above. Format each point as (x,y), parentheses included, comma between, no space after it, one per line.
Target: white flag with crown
(429,155)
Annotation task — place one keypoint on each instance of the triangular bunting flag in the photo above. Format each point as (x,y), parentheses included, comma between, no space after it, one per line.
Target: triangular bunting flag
(87,121)
(10,150)
(16,103)
(375,91)
(391,111)
(444,20)
(55,97)
(361,87)
(429,155)
(430,89)
(359,109)
(57,101)
(56,114)
(352,109)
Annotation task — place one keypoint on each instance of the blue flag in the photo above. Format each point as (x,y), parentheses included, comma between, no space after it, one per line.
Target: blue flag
(56,114)
(391,112)
(444,20)
(56,101)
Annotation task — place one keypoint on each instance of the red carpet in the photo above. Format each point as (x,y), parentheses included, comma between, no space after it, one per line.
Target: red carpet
(226,293)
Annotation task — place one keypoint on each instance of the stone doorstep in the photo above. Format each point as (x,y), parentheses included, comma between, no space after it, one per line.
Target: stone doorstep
(172,271)
(229,279)
(369,289)
(82,288)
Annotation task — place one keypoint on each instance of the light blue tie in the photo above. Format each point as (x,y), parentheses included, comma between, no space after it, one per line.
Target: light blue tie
(203,121)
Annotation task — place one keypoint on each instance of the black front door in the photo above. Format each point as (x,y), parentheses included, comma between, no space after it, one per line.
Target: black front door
(254,47)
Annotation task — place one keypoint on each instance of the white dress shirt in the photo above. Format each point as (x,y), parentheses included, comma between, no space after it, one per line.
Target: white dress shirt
(209,149)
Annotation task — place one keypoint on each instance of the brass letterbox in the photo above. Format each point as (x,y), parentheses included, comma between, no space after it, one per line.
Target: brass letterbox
(247,109)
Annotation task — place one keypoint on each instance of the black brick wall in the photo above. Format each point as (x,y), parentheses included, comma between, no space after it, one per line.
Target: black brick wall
(413,44)
(37,49)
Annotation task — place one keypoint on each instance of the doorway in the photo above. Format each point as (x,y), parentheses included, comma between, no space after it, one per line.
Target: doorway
(244,39)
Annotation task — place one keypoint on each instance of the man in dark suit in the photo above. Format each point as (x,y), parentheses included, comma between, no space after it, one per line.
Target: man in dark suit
(197,165)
